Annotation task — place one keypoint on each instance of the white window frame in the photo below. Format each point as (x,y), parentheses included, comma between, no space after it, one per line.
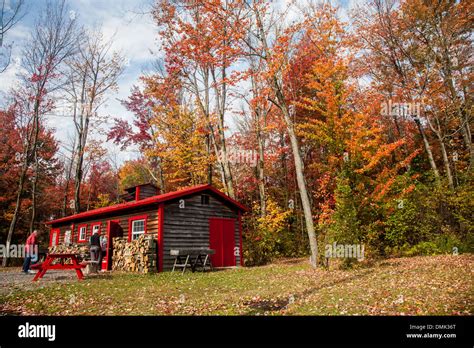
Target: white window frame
(81,229)
(136,234)
(95,227)
(67,237)
(55,238)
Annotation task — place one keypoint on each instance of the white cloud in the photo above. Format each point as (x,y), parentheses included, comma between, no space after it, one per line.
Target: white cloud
(133,34)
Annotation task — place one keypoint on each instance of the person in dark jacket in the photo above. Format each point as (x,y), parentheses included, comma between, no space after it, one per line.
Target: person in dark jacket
(95,249)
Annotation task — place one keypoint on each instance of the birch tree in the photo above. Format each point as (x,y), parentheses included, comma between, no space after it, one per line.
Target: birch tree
(92,72)
(273,43)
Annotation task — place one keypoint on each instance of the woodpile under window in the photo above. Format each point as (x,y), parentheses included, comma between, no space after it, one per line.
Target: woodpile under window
(135,256)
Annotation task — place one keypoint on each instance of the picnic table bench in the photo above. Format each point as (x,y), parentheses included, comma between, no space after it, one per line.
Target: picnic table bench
(48,264)
(193,258)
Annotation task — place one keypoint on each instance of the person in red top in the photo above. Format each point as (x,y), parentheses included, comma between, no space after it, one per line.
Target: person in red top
(29,251)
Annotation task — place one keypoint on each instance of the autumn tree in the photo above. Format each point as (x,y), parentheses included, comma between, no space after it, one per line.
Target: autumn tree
(201,41)
(13,138)
(51,42)
(140,134)
(273,42)
(133,173)
(92,72)
(418,53)
(168,132)
(180,134)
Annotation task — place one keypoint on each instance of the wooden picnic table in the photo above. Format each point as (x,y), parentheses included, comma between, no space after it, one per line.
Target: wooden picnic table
(193,258)
(48,264)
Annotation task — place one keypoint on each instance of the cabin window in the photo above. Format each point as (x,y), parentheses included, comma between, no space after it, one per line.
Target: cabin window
(67,237)
(204,199)
(96,227)
(82,233)
(54,237)
(138,228)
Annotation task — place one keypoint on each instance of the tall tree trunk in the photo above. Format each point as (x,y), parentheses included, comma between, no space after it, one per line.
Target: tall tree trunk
(79,164)
(77,186)
(457,101)
(299,169)
(209,167)
(36,172)
(427,146)
(89,195)
(161,177)
(34,193)
(16,212)
(66,185)
(261,170)
(447,167)
(221,94)
(227,171)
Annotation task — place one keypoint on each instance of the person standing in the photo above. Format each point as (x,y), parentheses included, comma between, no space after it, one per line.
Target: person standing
(30,250)
(95,249)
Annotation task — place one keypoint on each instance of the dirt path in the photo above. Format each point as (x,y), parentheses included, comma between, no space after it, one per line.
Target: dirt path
(14,279)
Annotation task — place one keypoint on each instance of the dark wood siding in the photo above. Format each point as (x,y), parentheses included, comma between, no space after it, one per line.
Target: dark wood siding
(189,226)
(147,191)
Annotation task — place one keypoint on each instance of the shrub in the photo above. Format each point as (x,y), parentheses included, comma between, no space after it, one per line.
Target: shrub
(268,236)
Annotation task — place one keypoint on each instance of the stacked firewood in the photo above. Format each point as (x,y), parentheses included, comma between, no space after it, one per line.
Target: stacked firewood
(135,256)
(80,249)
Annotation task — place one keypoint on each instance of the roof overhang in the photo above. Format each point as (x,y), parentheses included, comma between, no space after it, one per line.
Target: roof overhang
(148,201)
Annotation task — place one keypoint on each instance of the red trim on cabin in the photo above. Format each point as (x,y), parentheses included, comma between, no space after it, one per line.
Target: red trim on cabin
(134,218)
(147,201)
(79,240)
(107,233)
(95,224)
(72,233)
(108,266)
(240,240)
(161,220)
(137,193)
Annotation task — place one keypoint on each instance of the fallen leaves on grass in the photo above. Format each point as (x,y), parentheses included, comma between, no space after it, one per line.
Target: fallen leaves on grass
(407,286)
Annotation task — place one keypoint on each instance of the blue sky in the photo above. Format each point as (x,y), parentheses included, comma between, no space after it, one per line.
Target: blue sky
(135,37)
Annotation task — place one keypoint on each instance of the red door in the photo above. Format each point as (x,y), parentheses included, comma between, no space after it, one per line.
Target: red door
(113,230)
(222,240)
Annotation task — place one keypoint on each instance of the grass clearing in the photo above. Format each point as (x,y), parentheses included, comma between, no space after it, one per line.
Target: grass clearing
(434,285)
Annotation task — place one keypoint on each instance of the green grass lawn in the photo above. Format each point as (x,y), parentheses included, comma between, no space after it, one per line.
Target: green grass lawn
(438,285)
